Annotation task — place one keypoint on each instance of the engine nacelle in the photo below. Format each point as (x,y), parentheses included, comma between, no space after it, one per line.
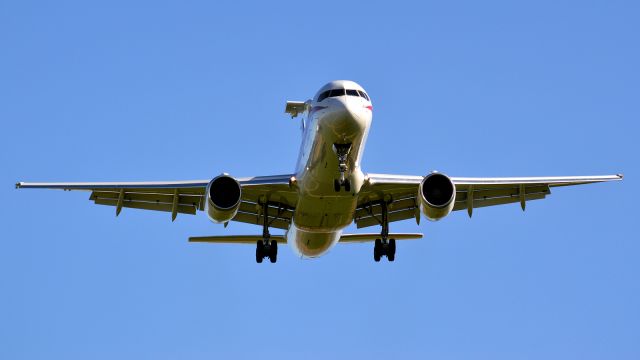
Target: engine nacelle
(437,194)
(223,198)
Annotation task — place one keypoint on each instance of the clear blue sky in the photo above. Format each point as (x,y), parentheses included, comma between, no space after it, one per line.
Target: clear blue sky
(186,90)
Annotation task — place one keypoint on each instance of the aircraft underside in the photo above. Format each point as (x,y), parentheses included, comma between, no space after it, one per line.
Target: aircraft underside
(328,190)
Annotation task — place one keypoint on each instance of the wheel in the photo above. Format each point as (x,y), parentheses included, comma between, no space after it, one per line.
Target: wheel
(273,251)
(347,185)
(336,185)
(391,250)
(259,251)
(392,246)
(377,247)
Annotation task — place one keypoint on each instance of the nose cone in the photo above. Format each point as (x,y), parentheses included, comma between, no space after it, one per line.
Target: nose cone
(345,117)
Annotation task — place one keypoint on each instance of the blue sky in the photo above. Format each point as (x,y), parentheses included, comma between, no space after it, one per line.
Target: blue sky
(186,90)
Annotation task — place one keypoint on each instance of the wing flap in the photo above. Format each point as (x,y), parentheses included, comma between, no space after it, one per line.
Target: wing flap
(405,214)
(489,196)
(256,219)
(483,192)
(183,209)
(283,212)
(376,208)
(462,205)
(183,199)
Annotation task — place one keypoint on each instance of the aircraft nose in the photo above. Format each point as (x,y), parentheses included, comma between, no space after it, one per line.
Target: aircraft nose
(343,118)
(346,111)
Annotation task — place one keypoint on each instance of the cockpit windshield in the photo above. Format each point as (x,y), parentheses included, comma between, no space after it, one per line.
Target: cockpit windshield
(336,92)
(342,92)
(363,94)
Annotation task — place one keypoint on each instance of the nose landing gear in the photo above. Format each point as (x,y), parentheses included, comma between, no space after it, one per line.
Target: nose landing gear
(337,185)
(342,150)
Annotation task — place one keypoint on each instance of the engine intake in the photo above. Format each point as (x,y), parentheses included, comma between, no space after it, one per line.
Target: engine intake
(437,194)
(223,198)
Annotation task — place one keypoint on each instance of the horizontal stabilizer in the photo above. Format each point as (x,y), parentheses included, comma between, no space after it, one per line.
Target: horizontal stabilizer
(354,238)
(252,239)
(234,239)
(295,107)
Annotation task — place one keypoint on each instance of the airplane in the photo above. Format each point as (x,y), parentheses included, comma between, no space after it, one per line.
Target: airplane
(328,190)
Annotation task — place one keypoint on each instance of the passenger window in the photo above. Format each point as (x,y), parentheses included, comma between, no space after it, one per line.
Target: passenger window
(336,92)
(352,92)
(323,96)
(363,94)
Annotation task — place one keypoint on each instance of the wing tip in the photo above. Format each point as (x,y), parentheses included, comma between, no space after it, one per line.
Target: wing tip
(19,184)
(620,176)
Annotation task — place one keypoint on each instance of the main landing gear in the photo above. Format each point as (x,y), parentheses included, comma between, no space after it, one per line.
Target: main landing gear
(387,249)
(342,150)
(384,246)
(266,248)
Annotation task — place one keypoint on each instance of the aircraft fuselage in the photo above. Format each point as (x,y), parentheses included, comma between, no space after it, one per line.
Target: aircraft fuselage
(334,125)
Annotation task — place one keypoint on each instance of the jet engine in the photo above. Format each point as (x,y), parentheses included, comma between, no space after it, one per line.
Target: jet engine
(437,194)
(223,198)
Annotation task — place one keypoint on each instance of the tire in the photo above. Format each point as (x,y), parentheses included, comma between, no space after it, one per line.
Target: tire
(376,250)
(336,185)
(259,251)
(347,186)
(273,251)
(391,252)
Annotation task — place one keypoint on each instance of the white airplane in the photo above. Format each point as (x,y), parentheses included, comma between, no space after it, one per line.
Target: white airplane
(328,190)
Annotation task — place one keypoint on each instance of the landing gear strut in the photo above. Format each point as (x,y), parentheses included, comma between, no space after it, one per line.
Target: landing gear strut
(384,246)
(266,247)
(342,150)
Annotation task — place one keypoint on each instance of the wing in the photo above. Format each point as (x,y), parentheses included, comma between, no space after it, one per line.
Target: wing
(401,191)
(187,197)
